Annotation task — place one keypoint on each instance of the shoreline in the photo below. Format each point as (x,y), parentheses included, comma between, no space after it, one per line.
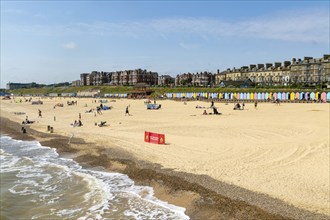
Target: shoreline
(202,196)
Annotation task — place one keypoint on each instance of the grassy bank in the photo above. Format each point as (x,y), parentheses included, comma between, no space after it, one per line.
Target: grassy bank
(157,90)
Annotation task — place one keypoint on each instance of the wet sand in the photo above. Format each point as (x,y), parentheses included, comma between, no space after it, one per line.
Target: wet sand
(203,195)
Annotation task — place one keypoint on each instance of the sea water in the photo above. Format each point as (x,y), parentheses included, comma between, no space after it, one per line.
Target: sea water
(36,183)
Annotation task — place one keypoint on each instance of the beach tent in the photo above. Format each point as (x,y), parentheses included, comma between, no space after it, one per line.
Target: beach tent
(323,97)
(328,96)
(312,96)
(297,95)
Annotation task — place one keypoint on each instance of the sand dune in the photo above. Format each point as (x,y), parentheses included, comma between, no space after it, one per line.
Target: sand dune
(282,151)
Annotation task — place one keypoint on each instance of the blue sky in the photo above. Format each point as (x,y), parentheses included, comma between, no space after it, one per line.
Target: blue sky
(55,41)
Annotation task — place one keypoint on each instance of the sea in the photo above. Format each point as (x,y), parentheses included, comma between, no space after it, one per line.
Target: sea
(37,183)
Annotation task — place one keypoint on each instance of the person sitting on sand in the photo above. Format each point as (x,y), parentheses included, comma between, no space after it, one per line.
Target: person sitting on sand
(27,121)
(79,123)
(205,113)
(102,123)
(74,124)
(237,106)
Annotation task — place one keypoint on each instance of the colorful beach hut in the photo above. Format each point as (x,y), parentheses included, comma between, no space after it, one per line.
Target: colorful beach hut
(307,97)
(328,96)
(283,96)
(317,95)
(312,96)
(298,95)
(323,97)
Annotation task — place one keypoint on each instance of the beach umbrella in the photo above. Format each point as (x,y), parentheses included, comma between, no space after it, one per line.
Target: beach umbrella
(328,96)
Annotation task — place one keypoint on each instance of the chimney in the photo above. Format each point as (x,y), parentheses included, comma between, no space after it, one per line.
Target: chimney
(268,65)
(260,66)
(294,60)
(277,64)
(326,56)
(299,60)
(218,71)
(287,63)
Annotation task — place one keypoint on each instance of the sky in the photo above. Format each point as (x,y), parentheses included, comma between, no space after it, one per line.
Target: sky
(55,41)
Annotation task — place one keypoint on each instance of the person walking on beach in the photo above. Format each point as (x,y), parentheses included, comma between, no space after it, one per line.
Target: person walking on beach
(39,113)
(255,104)
(212,104)
(127,112)
(79,116)
(243,105)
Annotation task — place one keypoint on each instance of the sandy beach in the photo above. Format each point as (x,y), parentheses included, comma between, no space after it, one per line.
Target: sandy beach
(275,159)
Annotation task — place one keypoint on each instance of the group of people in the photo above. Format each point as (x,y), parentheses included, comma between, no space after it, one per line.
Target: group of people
(77,123)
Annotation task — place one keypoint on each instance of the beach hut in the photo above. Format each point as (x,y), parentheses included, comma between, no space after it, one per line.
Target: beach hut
(279,96)
(251,96)
(241,95)
(302,96)
(275,95)
(255,96)
(284,96)
(297,96)
(307,96)
(323,97)
(263,96)
(317,96)
(259,96)
(266,95)
(226,96)
(312,96)
(288,96)
(292,96)
(328,96)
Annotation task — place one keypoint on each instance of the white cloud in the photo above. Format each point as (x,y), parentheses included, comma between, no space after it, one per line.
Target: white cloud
(70,45)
